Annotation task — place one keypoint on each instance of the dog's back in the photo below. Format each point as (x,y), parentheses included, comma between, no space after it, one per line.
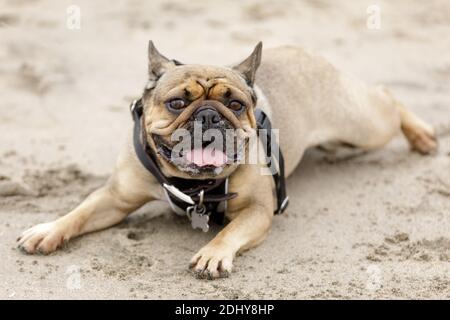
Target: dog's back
(313,103)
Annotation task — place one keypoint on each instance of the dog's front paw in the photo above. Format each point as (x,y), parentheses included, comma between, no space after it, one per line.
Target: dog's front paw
(212,262)
(42,238)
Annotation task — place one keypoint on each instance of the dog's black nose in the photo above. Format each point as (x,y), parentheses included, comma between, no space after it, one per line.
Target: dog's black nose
(208,116)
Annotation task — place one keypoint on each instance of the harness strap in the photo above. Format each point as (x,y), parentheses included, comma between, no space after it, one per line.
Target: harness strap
(263,122)
(145,158)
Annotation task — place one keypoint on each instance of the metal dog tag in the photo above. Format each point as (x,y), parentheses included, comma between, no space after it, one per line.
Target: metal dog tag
(199,217)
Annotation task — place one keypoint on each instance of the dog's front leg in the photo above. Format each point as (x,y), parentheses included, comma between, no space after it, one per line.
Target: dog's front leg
(128,188)
(251,216)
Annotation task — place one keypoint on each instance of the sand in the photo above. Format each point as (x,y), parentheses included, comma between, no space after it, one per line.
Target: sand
(373,226)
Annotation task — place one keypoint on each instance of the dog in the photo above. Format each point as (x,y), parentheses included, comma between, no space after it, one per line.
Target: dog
(307,99)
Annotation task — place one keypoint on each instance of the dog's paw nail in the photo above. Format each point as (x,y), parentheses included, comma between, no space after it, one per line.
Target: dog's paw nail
(209,275)
(198,274)
(23,250)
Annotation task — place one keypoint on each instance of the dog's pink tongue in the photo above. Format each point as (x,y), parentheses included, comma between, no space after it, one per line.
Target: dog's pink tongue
(207,157)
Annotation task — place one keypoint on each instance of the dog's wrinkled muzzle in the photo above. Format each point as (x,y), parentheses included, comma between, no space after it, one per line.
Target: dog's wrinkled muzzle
(206,110)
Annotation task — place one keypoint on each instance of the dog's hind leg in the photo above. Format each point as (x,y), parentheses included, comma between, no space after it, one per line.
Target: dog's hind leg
(378,117)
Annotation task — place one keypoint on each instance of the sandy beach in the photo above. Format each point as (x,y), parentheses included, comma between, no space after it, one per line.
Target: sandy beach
(376,226)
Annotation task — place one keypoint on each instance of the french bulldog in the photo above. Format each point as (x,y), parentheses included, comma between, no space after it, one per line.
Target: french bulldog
(308,100)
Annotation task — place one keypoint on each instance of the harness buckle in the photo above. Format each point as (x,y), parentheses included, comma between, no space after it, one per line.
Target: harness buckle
(284,205)
(136,107)
(133,105)
(261,119)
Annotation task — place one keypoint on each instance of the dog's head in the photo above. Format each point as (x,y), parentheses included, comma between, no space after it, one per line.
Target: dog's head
(198,118)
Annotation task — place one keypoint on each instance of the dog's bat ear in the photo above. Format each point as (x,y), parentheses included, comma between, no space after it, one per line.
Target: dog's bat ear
(248,67)
(157,63)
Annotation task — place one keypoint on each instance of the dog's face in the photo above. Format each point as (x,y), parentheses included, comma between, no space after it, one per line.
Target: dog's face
(198,118)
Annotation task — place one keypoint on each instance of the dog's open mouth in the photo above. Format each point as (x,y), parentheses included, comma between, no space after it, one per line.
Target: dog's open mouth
(198,159)
(203,157)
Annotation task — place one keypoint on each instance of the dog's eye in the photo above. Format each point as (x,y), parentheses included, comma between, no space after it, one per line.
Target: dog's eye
(176,104)
(235,105)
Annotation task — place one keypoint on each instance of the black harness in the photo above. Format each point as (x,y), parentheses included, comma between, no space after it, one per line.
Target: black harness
(201,200)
